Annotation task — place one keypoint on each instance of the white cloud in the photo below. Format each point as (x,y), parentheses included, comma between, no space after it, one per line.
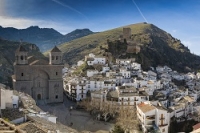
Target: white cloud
(19,23)
(22,23)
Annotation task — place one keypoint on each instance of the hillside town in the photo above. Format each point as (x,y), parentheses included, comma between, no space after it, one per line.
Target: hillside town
(156,98)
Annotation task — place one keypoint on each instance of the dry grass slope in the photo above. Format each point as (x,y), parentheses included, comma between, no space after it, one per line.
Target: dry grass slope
(78,48)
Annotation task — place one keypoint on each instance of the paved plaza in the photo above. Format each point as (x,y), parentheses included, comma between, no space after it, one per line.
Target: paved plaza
(77,119)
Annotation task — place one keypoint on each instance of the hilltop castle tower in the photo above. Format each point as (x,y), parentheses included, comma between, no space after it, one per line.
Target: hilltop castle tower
(39,78)
(127,33)
(132,46)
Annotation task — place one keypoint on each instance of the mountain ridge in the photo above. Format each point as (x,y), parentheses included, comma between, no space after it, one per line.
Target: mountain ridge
(44,38)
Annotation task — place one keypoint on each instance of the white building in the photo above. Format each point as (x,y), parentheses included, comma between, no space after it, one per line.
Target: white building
(182,107)
(76,88)
(136,66)
(8,99)
(79,63)
(124,62)
(92,59)
(153,117)
(105,69)
(91,73)
(125,73)
(127,96)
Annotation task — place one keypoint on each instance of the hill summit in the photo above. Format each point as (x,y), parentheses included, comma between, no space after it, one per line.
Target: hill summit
(157,47)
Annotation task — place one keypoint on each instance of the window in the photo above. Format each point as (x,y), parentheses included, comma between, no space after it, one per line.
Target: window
(52,57)
(22,74)
(56,57)
(163,130)
(22,57)
(56,97)
(56,73)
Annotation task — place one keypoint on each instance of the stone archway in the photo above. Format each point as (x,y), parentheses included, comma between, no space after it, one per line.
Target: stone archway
(39,97)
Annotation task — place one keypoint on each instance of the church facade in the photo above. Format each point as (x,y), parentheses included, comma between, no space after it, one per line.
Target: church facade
(39,78)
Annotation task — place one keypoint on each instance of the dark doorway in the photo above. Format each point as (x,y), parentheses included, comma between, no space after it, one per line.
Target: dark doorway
(39,97)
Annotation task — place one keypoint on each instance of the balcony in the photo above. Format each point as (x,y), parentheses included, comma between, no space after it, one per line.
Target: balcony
(150,118)
(162,118)
(148,125)
(163,125)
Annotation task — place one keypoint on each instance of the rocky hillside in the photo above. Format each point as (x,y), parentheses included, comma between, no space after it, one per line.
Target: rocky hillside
(157,47)
(44,38)
(7,58)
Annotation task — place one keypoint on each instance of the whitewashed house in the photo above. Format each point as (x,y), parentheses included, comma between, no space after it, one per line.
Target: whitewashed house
(153,118)
(125,73)
(91,73)
(127,96)
(190,76)
(76,88)
(182,108)
(8,99)
(105,69)
(124,62)
(81,62)
(198,75)
(92,59)
(136,66)
(160,69)
(152,75)
(131,96)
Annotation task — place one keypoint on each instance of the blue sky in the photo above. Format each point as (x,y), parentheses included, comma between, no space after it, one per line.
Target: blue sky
(181,18)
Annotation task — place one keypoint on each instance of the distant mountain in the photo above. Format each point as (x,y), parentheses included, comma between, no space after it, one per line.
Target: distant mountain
(78,33)
(44,38)
(7,57)
(157,47)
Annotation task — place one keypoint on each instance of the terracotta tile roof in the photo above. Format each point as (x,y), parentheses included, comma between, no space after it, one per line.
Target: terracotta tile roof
(197,126)
(6,127)
(145,107)
(32,128)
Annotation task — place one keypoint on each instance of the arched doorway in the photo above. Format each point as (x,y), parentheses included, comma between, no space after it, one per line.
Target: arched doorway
(40,85)
(39,97)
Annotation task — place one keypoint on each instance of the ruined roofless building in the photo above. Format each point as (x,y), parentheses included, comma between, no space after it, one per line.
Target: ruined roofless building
(37,77)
